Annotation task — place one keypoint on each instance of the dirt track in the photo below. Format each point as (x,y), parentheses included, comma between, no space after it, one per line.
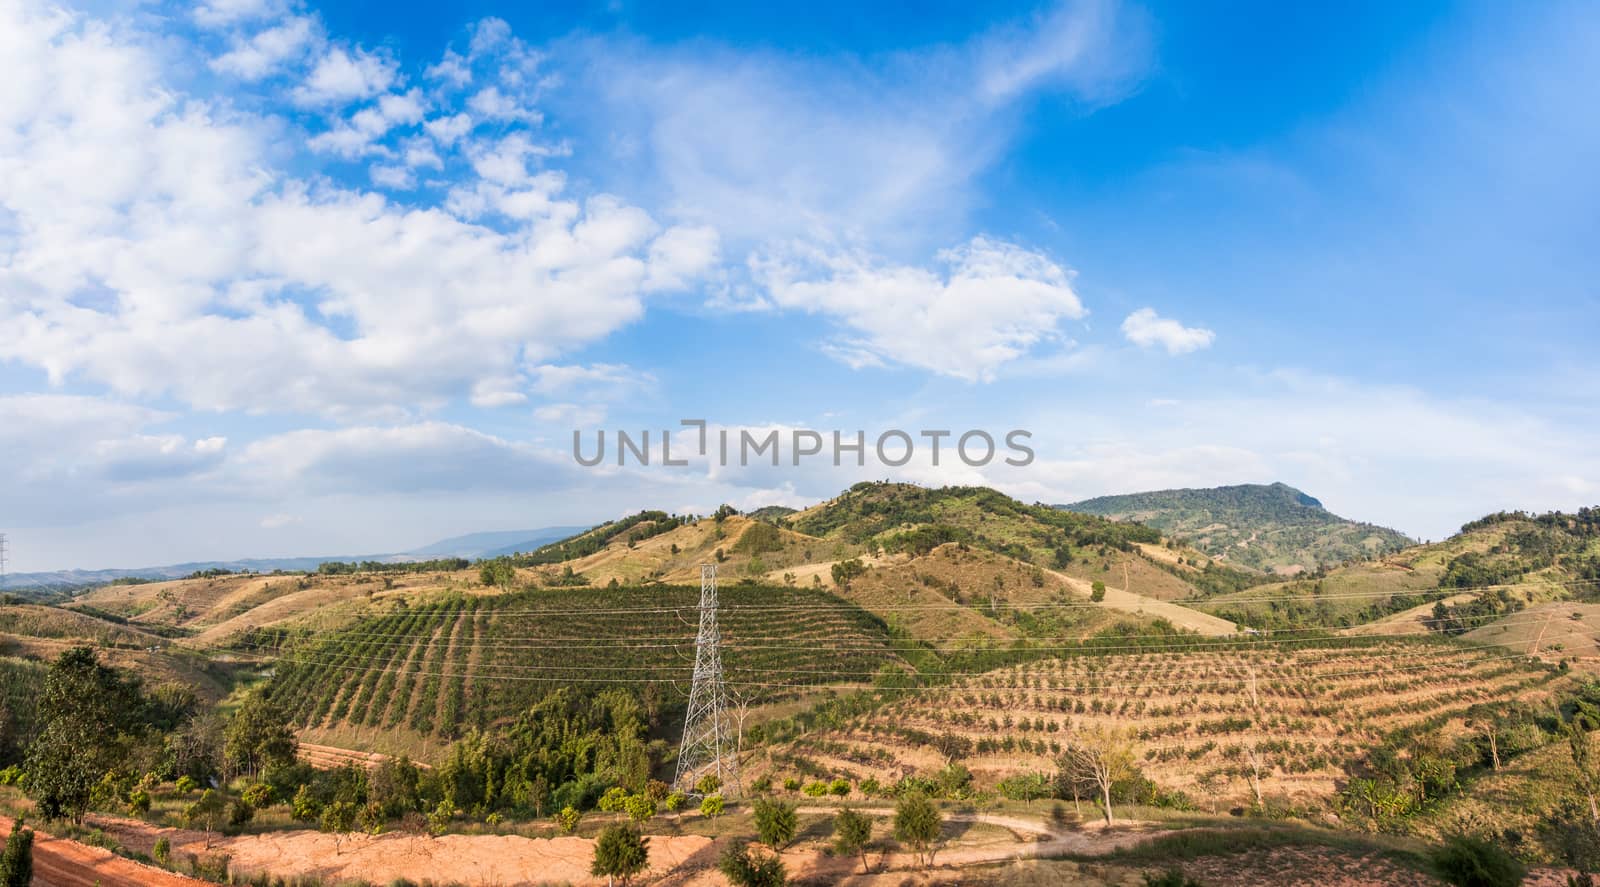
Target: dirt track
(58,862)
(1128,602)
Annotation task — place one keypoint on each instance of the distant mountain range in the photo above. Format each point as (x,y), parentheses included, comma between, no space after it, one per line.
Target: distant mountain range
(1269,527)
(471,546)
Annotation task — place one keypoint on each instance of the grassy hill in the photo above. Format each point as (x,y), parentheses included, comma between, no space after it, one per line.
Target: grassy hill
(1540,558)
(439,667)
(1272,527)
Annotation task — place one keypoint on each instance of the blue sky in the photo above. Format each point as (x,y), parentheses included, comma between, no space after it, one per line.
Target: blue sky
(286,278)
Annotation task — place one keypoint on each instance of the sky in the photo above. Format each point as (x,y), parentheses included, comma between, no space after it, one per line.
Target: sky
(296,279)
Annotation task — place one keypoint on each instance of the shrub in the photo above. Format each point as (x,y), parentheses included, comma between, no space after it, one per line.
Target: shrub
(620,852)
(138,802)
(567,820)
(1472,862)
(613,800)
(711,806)
(708,784)
(674,801)
(852,832)
(816,789)
(162,851)
(839,787)
(639,807)
(791,784)
(257,795)
(439,819)
(746,869)
(916,825)
(16,863)
(185,785)
(776,822)
(304,807)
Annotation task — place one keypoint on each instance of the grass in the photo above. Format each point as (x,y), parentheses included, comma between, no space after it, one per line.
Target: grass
(1217,837)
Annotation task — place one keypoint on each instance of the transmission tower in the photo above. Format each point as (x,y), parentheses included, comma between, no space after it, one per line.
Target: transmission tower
(708,742)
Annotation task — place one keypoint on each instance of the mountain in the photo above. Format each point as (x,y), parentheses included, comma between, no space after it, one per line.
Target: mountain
(493,544)
(471,546)
(1270,527)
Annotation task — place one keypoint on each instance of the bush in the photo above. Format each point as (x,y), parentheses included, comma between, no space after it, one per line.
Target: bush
(185,785)
(620,852)
(138,802)
(674,801)
(162,851)
(614,800)
(708,784)
(852,832)
(916,824)
(304,807)
(567,820)
(839,787)
(639,807)
(1472,862)
(776,822)
(746,869)
(16,863)
(711,806)
(257,795)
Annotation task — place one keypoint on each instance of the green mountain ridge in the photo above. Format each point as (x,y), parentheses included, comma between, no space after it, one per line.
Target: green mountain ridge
(1269,527)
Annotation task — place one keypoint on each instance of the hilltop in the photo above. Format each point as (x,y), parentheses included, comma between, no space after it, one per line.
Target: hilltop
(1268,527)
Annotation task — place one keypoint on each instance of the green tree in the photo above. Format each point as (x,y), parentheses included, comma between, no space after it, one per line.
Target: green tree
(620,852)
(639,807)
(1097,591)
(16,864)
(258,736)
(90,713)
(305,806)
(711,806)
(744,868)
(708,784)
(776,822)
(206,812)
(497,573)
(852,832)
(916,824)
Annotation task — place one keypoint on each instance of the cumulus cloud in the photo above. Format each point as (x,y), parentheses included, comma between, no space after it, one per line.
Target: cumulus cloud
(1147,329)
(269,50)
(992,303)
(342,76)
(155,249)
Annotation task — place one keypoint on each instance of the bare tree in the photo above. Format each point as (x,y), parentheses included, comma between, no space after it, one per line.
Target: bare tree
(1101,757)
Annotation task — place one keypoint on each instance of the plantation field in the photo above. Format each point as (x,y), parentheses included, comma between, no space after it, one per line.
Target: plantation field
(438,668)
(1194,719)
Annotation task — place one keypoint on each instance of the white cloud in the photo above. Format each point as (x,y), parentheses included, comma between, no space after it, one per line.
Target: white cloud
(154,249)
(453,69)
(1147,329)
(267,51)
(492,104)
(280,521)
(356,136)
(220,13)
(994,303)
(342,76)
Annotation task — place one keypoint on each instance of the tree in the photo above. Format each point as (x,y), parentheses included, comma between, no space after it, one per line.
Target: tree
(89,712)
(708,784)
(916,824)
(305,807)
(776,822)
(844,572)
(16,864)
(746,869)
(1097,591)
(711,806)
(206,812)
(620,852)
(1102,757)
(639,807)
(852,832)
(497,572)
(258,736)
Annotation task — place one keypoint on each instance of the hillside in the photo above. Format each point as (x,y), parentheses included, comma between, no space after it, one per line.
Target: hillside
(1309,714)
(437,668)
(1273,528)
(1538,558)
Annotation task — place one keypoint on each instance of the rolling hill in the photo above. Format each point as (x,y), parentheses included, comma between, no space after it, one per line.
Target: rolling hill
(1273,527)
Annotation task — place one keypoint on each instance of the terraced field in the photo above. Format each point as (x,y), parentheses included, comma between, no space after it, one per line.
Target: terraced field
(1205,723)
(457,662)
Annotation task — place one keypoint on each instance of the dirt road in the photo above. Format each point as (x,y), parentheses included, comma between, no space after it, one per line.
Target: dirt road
(58,862)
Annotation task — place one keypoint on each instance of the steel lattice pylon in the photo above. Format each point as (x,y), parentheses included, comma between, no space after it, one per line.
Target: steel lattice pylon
(708,742)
